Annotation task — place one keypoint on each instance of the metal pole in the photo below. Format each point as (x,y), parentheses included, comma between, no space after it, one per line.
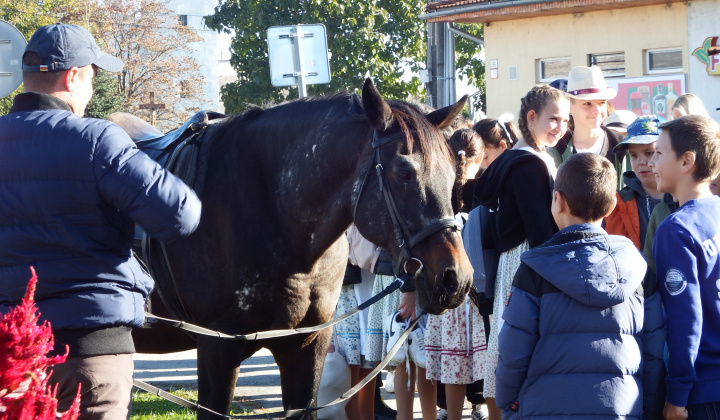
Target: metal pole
(302,90)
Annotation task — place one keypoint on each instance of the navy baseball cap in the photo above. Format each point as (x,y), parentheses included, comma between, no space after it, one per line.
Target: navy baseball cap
(560,84)
(63,46)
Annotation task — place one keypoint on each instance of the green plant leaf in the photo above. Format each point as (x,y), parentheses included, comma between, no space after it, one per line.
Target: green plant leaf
(702,55)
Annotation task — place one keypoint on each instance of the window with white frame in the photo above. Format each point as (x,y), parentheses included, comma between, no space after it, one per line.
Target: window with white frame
(611,64)
(665,60)
(182,20)
(549,69)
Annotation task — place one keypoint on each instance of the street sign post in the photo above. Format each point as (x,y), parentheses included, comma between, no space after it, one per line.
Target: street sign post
(12,47)
(298,56)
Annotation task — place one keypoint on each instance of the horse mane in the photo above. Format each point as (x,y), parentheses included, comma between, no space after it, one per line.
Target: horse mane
(406,115)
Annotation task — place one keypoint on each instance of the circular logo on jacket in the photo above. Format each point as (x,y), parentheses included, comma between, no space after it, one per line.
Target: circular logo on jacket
(675,281)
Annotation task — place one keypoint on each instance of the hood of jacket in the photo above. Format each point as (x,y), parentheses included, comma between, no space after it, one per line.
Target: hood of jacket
(633,182)
(493,178)
(589,265)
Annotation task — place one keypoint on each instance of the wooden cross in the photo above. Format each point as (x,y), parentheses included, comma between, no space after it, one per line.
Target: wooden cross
(153,107)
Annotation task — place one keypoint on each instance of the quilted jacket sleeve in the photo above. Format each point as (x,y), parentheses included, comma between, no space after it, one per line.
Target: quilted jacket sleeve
(653,366)
(518,337)
(155,199)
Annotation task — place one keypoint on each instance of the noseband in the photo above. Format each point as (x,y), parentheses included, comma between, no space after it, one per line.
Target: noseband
(400,228)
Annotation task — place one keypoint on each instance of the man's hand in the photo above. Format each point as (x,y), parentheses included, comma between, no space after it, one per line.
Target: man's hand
(673,412)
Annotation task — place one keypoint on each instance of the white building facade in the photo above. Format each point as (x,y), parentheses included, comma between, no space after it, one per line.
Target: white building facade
(212,54)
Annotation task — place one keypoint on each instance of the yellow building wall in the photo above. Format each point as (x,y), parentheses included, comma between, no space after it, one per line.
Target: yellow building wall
(522,42)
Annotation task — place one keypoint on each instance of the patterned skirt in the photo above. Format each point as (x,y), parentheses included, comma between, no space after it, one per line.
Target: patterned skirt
(376,341)
(455,345)
(508,265)
(346,334)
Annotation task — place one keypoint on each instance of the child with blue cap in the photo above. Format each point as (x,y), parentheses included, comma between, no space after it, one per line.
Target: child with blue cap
(635,204)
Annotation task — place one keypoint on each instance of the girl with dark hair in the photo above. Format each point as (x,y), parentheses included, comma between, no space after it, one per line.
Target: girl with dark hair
(469,151)
(497,136)
(455,341)
(517,186)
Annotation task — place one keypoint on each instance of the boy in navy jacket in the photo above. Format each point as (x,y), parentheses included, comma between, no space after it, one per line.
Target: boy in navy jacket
(570,344)
(686,160)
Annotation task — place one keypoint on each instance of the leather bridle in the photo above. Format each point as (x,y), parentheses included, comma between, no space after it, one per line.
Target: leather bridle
(404,239)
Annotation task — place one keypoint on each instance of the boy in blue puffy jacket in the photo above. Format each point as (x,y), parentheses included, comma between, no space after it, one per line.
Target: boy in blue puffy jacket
(570,344)
(686,160)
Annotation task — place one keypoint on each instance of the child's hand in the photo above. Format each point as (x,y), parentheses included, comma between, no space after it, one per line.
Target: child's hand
(407,306)
(673,412)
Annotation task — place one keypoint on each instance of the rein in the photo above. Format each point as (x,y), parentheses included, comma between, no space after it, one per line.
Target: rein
(400,228)
(262,335)
(287,413)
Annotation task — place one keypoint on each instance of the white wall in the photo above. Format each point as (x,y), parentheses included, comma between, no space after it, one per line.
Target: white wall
(206,52)
(703,22)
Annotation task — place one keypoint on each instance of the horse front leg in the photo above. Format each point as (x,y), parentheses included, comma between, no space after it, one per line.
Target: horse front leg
(300,364)
(218,362)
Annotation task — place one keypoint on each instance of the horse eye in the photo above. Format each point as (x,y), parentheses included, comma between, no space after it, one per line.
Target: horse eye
(404,175)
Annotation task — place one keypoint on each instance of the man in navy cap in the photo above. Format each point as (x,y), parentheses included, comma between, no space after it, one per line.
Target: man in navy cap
(72,191)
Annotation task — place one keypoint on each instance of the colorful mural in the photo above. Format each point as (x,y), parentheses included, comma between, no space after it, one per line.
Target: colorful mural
(709,54)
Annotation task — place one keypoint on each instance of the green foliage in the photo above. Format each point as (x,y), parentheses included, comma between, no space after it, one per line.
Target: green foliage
(107,98)
(146,406)
(467,59)
(380,38)
(6,102)
(27,16)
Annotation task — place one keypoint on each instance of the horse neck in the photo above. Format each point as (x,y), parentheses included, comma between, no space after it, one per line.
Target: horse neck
(303,176)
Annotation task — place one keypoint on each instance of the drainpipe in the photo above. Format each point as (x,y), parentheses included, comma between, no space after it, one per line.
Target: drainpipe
(467,35)
(449,67)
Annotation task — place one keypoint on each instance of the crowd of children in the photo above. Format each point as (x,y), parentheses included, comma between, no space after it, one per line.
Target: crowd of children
(597,280)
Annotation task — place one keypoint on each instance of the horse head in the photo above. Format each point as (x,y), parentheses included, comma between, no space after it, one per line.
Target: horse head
(402,199)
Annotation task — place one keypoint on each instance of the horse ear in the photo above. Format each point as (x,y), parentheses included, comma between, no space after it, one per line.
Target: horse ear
(443,117)
(377,111)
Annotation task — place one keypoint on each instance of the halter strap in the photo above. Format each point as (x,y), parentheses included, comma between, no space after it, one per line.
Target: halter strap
(403,238)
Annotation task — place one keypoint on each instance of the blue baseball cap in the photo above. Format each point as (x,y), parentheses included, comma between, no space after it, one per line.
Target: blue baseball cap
(560,84)
(63,46)
(644,130)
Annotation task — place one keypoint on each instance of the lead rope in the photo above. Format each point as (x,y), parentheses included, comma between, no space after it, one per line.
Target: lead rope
(287,413)
(401,283)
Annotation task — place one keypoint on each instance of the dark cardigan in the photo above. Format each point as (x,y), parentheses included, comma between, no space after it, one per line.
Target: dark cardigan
(519,187)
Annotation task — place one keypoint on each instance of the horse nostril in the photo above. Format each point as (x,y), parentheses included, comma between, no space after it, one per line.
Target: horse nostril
(450,280)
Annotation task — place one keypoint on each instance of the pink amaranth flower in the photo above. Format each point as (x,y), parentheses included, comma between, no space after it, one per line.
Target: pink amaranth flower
(24,346)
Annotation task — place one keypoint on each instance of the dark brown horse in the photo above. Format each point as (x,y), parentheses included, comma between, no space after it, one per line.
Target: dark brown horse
(283,185)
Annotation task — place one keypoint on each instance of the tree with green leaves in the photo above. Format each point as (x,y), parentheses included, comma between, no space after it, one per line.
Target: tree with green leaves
(383,39)
(468,61)
(106,98)
(28,16)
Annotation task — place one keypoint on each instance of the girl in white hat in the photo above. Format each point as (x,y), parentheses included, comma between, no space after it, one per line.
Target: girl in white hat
(589,97)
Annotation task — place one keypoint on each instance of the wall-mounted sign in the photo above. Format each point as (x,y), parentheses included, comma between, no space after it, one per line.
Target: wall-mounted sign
(494,69)
(709,54)
(647,95)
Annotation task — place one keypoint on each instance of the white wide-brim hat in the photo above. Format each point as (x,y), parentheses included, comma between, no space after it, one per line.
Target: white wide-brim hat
(588,83)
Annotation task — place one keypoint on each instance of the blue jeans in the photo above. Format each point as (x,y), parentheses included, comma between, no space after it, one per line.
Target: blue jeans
(707,411)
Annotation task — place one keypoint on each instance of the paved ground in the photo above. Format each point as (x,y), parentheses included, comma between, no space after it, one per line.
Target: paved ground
(258,386)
